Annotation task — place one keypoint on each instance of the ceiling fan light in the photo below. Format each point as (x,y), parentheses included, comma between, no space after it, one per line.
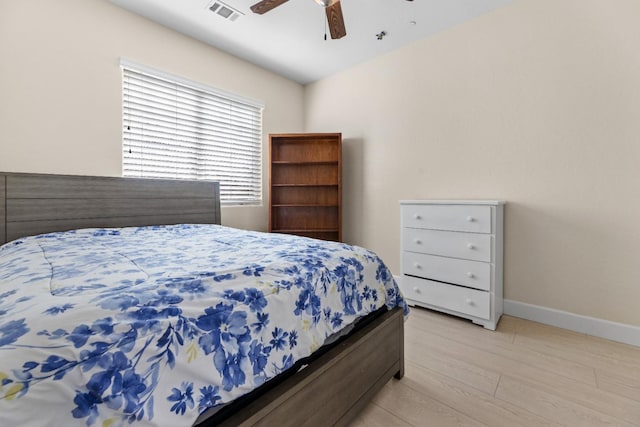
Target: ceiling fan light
(325,3)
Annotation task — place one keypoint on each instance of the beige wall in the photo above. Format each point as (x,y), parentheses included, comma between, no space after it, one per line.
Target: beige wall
(60,86)
(537,103)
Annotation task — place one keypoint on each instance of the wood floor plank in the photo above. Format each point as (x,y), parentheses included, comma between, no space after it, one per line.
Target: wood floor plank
(375,416)
(420,317)
(622,385)
(486,359)
(420,353)
(619,407)
(581,345)
(564,411)
(476,404)
(495,342)
(568,348)
(418,409)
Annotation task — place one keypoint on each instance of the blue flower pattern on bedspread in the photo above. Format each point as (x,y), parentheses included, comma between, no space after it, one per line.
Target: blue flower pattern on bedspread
(106,327)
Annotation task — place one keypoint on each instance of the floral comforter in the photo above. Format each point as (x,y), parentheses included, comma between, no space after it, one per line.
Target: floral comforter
(153,325)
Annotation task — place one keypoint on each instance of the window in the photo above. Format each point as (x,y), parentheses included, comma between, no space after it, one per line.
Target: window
(179,129)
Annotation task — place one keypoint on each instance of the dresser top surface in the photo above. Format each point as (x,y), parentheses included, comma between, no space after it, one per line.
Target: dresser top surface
(453,202)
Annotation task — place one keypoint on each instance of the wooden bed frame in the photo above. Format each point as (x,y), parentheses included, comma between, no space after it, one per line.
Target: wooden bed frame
(331,390)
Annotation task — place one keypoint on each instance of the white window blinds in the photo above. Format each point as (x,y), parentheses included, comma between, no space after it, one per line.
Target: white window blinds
(178,129)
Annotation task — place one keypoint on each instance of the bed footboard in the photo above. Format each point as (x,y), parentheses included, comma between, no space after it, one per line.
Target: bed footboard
(334,388)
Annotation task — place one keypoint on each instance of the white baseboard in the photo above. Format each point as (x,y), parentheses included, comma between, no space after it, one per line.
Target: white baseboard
(620,332)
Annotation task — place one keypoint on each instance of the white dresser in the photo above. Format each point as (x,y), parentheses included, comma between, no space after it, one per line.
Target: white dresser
(452,257)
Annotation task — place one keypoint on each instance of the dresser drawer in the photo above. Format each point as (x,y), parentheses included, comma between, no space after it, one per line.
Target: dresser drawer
(462,300)
(476,247)
(471,218)
(473,274)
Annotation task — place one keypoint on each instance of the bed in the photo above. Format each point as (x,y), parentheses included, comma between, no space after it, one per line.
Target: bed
(173,322)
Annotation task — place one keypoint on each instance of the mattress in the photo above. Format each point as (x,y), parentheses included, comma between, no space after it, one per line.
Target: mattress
(155,325)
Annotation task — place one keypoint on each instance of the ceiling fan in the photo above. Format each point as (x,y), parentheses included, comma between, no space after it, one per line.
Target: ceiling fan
(332,8)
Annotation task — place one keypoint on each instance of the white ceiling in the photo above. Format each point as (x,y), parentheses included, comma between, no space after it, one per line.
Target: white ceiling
(289,39)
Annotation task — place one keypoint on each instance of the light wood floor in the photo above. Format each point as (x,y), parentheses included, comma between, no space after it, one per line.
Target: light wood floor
(523,374)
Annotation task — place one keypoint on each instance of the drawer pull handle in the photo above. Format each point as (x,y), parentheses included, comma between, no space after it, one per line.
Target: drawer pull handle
(471,246)
(418,241)
(417,216)
(470,275)
(416,265)
(469,301)
(416,289)
(470,219)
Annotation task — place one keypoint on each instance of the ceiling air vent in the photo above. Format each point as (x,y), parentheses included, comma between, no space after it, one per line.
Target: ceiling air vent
(224,10)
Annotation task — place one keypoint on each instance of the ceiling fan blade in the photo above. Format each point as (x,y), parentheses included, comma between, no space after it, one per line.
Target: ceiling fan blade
(336,21)
(265,6)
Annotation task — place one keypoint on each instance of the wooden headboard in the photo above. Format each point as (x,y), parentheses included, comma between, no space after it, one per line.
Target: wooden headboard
(38,203)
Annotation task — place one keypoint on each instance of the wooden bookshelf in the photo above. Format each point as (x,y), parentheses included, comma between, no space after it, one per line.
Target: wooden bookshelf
(305,175)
